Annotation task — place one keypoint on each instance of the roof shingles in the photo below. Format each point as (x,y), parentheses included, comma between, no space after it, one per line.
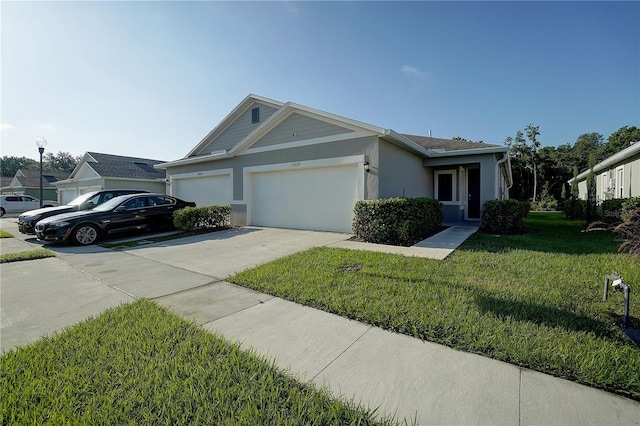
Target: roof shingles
(116,166)
(446,144)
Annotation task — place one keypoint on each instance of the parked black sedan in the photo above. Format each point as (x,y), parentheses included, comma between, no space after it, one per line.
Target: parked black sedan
(120,214)
(27,220)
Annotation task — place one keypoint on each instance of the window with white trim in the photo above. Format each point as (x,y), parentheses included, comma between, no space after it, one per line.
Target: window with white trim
(620,182)
(445,186)
(604,185)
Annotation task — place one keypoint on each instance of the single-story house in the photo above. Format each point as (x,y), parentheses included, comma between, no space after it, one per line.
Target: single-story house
(617,176)
(287,165)
(27,182)
(97,171)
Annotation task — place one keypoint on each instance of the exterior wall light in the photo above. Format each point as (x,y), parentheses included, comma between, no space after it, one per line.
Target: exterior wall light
(366,167)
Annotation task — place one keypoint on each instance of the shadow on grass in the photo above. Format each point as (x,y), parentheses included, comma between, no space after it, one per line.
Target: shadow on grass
(547,233)
(544,315)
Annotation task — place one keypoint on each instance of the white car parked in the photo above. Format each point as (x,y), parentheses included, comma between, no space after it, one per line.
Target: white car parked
(21,203)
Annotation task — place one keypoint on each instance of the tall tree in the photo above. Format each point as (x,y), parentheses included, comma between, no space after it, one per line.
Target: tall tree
(586,145)
(620,139)
(10,165)
(526,159)
(60,162)
(532,134)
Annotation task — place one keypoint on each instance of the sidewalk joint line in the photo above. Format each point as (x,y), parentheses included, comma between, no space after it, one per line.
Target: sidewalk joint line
(342,353)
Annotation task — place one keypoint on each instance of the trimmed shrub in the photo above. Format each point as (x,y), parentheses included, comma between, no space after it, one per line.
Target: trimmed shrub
(503,217)
(202,218)
(397,221)
(628,206)
(573,208)
(611,210)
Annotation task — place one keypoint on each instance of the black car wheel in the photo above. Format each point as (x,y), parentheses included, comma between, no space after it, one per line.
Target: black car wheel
(85,234)
(1,212)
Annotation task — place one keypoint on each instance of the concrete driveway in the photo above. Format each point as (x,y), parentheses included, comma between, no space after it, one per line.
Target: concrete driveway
(42,296)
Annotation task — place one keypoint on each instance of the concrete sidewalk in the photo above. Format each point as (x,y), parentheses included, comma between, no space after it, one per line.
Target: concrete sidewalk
(399,375)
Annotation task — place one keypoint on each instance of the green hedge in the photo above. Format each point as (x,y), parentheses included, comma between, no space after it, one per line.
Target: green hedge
(504,217)
(202,218)
(611,210)
(397,221)
(630,205)
(574,208)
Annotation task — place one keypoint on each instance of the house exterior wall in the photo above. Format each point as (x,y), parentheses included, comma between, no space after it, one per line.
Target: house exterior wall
(47,193)
(489,181)
(364,146)
(608,182)
(401,173)
(239,129)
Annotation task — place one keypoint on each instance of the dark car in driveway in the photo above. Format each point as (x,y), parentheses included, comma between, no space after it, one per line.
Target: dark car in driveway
(126,213)
(27,220)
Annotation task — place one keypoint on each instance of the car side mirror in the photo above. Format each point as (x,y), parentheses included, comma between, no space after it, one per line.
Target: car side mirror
(120,209)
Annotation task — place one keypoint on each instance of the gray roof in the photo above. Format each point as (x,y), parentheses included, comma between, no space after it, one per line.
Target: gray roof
(447,144)
(31,178)
(5,181)
(116,166)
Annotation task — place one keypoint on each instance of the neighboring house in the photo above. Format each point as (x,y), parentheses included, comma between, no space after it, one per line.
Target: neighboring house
(27,182)
(287,165)
(616,177)
(5,181)
(97,171)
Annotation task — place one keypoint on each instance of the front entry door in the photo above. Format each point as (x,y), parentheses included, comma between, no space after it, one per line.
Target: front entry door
(473,193)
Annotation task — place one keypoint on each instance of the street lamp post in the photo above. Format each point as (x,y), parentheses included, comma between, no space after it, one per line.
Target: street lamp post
(42,143)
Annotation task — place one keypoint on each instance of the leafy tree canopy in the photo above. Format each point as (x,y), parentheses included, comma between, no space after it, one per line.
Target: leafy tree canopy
(60,162)
(621,139)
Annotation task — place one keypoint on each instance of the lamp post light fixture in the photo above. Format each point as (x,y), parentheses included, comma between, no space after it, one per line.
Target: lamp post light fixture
(42,143)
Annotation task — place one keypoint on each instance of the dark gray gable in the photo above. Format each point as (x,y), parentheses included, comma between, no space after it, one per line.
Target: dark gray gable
(237,130)
(298,127)
(116,166)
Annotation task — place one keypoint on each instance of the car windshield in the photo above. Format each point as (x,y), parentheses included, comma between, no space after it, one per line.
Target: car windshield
(81,199)
(111,204)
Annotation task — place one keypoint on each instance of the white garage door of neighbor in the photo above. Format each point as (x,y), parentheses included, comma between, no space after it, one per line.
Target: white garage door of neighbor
(205,191)
(319,199)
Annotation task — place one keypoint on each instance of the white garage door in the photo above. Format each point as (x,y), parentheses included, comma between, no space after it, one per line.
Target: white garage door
(205,191)
(318,199)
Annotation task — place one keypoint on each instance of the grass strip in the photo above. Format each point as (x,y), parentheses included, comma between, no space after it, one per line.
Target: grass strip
(5,234)
(141,364)
(533,300)
(26,255)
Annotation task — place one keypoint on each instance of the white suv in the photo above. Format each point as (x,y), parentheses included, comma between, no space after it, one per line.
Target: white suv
(21,203)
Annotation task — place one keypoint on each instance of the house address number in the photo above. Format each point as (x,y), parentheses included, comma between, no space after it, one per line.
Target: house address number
(295,164)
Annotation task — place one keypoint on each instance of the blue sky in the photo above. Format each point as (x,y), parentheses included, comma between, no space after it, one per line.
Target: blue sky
(151,79)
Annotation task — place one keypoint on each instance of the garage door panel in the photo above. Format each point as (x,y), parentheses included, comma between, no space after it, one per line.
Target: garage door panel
(318,199)
(204,191)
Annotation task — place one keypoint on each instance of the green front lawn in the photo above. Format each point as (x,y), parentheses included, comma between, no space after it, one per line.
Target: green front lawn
(533,300)
(140,364)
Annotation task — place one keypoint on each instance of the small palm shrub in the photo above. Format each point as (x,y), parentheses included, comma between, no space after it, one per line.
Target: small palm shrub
(629,233)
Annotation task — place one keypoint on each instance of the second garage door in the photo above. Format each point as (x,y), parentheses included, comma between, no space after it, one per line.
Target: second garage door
(204,190)
(317,198)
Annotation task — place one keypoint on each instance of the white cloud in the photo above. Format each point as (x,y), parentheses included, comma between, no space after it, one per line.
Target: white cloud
(413,71)
(7,126)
